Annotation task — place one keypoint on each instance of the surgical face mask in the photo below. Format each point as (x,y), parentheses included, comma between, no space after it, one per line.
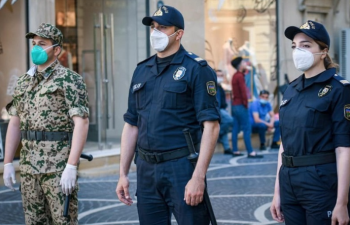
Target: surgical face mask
(220,80)
(263,101)
(303,59)
(159,40)
(39,55)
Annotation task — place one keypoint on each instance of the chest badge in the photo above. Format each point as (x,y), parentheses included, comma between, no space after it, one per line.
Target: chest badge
(347,112)
(179,73)
(324,91)
(211,88)
(283,102)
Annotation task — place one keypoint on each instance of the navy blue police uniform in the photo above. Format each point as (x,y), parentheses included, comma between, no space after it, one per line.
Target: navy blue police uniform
(161,104)
(314,121)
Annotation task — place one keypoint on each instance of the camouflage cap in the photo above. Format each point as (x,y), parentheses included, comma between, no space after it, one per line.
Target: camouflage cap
(46,30)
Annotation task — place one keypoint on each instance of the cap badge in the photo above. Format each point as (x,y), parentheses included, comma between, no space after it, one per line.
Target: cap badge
(324,91)
(179,73)
(159,12)
(211,88)
(347,112)
(305,26)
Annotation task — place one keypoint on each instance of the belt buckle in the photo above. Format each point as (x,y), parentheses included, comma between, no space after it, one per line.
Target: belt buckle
(154,157)
(289,160)
(31,135)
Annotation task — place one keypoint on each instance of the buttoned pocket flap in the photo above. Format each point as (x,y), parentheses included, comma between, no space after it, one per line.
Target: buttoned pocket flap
(179,87)
(318,106)
(48,89)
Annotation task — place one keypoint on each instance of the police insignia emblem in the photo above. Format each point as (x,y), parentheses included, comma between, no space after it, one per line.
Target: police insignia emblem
(347,112)
(179,73)
(211,88)
(158,13)
(305,26)
(323,91)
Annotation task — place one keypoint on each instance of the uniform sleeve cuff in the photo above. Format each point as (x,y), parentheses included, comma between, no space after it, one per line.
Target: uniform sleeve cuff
(81,112)
(341,140)
(130,119)
(208,115)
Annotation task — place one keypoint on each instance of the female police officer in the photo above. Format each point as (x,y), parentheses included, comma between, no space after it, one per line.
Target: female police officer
(312,183)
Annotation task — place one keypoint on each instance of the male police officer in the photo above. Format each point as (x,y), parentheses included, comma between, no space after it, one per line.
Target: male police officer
(169,91)
(50,115)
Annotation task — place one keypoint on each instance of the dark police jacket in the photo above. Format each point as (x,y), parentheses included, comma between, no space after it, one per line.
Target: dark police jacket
(162,103)
(315,118)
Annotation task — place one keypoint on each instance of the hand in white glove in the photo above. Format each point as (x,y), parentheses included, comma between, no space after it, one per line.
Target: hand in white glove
(68,179)
(9,175)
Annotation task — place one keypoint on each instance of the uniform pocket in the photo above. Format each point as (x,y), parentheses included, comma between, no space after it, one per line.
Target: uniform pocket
(317,116)
(175,96)
(140,95)
(328,174)
(51,97)
(49,157)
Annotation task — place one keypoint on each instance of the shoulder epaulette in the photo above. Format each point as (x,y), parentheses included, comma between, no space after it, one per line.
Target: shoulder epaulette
(145,60)
(196,58)
(341,79)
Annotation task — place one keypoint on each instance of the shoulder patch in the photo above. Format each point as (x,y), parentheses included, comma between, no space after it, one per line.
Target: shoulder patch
(341,79)
(196,58)
(146,59)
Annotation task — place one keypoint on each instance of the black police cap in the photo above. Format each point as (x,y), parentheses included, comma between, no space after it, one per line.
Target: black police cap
(167,16)
(312,29)
(236,61)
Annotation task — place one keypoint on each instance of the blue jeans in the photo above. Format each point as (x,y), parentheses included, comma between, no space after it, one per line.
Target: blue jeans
(225,125)
(261,129)
(241,122)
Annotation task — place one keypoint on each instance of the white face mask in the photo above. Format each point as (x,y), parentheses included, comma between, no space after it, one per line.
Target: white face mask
(220,80)
(303,59)
(159,40)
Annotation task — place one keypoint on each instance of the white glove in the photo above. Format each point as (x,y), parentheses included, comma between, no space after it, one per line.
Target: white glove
(68,179)
(9,175)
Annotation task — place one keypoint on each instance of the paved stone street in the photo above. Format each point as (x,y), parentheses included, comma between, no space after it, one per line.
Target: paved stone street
(240,190)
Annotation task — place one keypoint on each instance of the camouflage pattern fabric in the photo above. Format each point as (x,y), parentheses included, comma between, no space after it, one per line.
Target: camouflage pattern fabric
(43,201)
(47,102)
(47,30)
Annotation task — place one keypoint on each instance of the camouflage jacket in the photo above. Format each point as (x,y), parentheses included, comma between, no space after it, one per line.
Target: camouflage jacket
(47,101)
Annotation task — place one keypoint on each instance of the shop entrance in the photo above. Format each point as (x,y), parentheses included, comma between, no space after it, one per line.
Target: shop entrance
(106,54)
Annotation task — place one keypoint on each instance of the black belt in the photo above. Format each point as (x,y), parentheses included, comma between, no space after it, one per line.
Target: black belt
(308,160)
(158,157)
(33,135)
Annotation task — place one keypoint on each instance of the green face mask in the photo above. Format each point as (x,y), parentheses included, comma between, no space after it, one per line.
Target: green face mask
(39,55)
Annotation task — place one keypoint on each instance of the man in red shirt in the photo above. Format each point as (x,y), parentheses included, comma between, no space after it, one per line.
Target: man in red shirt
(240,111)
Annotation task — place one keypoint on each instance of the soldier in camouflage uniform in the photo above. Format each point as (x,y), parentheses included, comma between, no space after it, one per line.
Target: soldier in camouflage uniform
(50,116)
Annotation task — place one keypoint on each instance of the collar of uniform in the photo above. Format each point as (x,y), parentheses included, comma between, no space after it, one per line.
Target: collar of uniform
(324,76)
(178,58)
(46,73)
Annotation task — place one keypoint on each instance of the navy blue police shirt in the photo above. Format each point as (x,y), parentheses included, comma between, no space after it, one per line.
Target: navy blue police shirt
(162,103)
(315,116)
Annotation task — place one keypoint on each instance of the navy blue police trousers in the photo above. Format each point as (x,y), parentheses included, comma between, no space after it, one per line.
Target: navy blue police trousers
(308,194)
(160,193)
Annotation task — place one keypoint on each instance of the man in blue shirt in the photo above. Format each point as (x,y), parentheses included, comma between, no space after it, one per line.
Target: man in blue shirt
(262,119)
(170,91)
(226,119)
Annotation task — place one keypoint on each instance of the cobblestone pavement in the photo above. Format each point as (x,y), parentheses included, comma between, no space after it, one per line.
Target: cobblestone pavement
(240,190)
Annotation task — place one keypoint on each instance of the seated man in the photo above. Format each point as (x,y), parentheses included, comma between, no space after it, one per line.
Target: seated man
(262,119)
(226,119)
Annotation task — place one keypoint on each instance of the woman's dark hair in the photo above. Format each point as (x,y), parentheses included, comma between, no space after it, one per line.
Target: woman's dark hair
(328,62)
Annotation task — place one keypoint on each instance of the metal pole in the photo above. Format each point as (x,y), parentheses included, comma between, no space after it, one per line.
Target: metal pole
(277,53)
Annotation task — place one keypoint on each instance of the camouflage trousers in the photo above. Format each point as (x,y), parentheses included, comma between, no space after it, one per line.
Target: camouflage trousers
(43,200)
